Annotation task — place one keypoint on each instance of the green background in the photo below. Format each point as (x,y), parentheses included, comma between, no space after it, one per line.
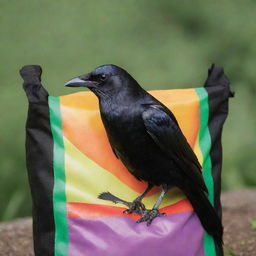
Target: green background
(163,44)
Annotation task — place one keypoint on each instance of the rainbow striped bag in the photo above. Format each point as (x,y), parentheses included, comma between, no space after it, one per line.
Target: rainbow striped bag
(70,162)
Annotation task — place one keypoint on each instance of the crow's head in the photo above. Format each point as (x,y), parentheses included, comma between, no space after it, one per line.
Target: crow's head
(106,79)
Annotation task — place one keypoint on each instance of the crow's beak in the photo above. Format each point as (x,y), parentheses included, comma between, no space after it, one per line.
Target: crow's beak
(81,81)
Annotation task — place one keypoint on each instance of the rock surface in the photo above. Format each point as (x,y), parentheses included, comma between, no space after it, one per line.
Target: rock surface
(239,208)
(16,238)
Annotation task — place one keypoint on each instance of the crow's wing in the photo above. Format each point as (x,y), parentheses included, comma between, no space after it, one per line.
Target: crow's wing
(163,128)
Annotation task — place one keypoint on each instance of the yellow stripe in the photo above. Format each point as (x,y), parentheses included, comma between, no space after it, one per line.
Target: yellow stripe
(198,151)
(85,180)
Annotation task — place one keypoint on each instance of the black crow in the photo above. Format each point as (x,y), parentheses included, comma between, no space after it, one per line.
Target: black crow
(145,135)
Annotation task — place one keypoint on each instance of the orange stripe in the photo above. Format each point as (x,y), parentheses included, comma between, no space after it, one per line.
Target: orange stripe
(91,211)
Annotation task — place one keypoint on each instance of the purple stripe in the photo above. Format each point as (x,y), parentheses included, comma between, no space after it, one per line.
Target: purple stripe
(179,234)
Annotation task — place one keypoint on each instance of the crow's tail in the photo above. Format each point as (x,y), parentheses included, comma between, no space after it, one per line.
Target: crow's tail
(207,215)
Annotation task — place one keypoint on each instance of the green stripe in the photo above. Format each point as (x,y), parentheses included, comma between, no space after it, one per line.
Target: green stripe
(59,195)
(205,146)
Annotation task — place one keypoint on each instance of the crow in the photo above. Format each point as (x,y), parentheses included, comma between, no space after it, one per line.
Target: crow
(145,135)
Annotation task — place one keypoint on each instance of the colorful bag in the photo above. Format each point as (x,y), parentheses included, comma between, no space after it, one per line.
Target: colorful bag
(70,162)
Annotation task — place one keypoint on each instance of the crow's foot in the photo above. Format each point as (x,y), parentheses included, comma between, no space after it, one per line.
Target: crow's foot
(136,207)
(149,215)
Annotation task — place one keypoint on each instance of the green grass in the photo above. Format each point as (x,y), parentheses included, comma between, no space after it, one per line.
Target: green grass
(164,44)
(228,251)
(253,224)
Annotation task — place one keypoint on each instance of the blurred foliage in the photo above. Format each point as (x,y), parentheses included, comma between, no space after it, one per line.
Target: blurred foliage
(163,44)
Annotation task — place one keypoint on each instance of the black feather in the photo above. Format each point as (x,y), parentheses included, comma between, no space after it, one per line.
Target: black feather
(206,213)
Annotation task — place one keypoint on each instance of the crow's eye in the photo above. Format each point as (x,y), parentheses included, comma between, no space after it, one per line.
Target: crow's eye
(103,77)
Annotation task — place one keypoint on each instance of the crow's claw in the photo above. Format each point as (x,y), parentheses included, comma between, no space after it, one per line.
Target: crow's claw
(136,207)
(149,215)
